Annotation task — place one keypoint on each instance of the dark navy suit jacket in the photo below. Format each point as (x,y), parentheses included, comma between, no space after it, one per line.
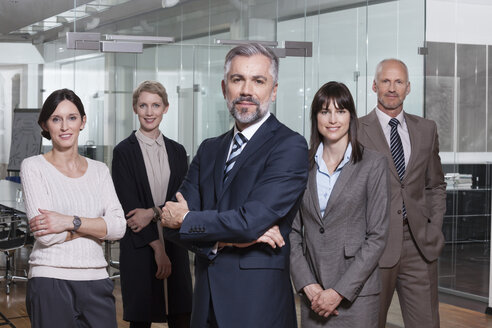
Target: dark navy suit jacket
(248,287)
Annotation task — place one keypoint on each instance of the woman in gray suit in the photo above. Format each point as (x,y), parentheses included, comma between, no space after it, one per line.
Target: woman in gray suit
(340,231)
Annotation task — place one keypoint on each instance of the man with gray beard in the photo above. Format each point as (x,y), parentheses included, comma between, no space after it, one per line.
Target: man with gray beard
(236,205)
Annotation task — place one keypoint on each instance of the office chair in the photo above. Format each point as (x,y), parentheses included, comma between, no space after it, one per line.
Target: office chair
(13,236)
(111,264)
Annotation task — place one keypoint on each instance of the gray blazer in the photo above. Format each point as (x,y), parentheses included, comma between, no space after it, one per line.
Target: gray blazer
(423,188)
(341,250)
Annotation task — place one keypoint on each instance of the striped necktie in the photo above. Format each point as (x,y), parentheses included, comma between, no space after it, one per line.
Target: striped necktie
(239,140)
(397,153)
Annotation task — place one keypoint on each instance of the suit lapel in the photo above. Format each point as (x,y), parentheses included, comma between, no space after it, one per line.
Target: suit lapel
(412,127)
(376,135)
(220,160)
(313,192)
(171,153)
(339,187)
(264,133)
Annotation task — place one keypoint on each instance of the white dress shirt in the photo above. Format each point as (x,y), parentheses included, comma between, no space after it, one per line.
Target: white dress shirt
(248,132)
(402,131)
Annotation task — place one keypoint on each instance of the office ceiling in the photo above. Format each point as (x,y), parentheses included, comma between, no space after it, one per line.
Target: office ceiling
(39,21)
(15,14)
(87,15)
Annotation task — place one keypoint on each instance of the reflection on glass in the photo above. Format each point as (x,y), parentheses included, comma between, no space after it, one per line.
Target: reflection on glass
(472,94)
(440,91)
(456,100)
(464,262)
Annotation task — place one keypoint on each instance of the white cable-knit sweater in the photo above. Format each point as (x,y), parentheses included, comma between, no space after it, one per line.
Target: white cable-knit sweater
(91,195)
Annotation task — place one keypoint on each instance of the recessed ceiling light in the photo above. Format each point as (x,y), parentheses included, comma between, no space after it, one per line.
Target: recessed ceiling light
(169,3)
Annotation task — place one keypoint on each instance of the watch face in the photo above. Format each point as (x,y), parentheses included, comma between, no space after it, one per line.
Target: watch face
(76,223)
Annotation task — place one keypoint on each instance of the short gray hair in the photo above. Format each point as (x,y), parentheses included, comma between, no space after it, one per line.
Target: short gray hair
(249,50)
(379,67)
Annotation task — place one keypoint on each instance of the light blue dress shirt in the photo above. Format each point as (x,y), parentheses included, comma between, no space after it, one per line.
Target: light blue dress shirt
(324,181)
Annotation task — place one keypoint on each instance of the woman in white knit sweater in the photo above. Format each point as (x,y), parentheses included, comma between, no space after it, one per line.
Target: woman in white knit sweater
(72,206)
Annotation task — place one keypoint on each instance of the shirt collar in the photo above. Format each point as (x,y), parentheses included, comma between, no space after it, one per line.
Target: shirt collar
(149,141)
(385,118)
(251,130)
(318,158)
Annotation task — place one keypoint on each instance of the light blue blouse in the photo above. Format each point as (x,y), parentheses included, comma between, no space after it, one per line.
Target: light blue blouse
(324,181)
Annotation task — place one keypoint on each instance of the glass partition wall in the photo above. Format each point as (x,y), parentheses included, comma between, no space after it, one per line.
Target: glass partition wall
(449,62)
(450,84)
(348,39)
(457,96)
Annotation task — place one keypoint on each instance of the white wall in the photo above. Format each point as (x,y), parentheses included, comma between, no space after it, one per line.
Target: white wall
(19,53)
(459,21)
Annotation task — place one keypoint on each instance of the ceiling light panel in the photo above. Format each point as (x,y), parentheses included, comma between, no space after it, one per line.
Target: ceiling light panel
(69,16)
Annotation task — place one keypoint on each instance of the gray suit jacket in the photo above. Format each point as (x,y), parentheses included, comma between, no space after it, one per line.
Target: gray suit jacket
(423,188)
(341,249)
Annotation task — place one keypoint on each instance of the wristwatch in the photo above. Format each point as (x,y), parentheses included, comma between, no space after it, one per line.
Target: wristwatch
(157,214)
(76,223)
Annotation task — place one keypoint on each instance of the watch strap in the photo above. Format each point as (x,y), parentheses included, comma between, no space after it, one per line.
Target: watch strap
(157,214)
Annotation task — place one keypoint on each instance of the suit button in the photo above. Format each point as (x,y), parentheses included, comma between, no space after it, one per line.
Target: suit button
(321,230)
(402,186)
(399,212)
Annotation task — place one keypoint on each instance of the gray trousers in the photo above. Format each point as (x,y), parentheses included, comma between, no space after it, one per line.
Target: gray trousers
(415,281)
(66,303)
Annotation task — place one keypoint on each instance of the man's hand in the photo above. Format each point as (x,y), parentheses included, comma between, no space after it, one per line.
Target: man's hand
(139,218)
(173,212)
(326,302)
(272,236)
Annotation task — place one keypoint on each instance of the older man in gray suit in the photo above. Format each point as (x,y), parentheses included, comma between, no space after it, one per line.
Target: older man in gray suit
(418,198)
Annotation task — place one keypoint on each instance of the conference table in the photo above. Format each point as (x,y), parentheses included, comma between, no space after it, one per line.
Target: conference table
(12,209)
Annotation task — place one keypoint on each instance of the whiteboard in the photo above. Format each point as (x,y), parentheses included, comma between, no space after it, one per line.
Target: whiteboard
(26,137)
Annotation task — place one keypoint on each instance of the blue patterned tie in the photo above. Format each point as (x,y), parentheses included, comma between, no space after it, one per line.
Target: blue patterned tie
(239,140)
(397,153)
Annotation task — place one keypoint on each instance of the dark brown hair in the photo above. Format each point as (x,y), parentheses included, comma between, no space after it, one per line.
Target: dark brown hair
(50,104)
(338,94)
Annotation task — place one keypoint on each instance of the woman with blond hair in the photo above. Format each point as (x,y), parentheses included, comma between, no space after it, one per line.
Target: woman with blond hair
(147,171)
